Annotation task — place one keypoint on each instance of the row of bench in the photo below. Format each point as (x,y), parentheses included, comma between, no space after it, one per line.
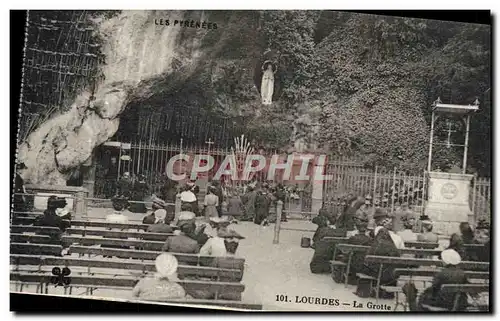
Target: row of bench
(32,268)
(414,272)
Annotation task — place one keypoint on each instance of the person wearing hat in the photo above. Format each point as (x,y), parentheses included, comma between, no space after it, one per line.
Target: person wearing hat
(161,223)
(450,274)
(384,221)
(161,287)
(382,245)
(124,188)
(189,197)
(157,206)
(427,235)
(400,216)
(211,203)
(262,205)
(119,205)
(248,200)
(50,218)
(138,194)
(223,244)
(182,243)
(407,233)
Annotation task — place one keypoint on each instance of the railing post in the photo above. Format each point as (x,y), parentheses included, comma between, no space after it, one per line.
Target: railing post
(277,225)
(177,207)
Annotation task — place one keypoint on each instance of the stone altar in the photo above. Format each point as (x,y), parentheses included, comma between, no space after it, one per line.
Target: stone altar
(448,201)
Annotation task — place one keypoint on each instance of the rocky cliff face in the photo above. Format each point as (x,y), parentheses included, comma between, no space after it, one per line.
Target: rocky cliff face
(142,59)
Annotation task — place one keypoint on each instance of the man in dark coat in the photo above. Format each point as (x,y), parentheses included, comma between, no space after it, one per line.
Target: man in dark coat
(262,205)
(323,250)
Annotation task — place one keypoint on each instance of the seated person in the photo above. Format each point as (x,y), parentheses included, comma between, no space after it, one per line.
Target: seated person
(323,251)
(161,287)
(361,238)
(215,245)
(119,205)
(427,235)
(161,224)
(50,217)
(383,245)
(407,233)
(224,247)
(326,223)
(182,243)
(450,274)
(481,236)
(157,206)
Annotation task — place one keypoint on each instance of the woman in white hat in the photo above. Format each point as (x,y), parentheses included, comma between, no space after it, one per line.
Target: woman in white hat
(189,197)
(161,287)
(450,274)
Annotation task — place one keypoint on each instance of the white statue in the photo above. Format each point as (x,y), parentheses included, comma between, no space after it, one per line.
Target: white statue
(267,86)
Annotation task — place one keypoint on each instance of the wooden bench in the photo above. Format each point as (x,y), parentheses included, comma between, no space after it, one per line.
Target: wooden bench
(36,249)
(104,224)
(45,230)
(30,238)
(424,275)
(68,240)
(35,263)
(457,289)
(124,283)
(119,234)
(349,250)
(421,245)
(430,272)
(415,262)
(194,259)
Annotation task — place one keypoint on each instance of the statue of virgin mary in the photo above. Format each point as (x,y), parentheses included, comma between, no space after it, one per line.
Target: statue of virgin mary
(267,85)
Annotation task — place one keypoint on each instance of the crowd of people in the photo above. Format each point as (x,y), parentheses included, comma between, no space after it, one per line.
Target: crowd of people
(386,235)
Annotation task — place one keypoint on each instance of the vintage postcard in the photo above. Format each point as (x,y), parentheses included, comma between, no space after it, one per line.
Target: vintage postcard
(254,160)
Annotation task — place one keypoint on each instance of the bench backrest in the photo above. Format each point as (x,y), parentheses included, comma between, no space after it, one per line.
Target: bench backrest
(430,272)
(465,288)
(148,266)
(151,255)
(104,224)
(93,240)
(119,234)
(421,245)
(348,248)
(30,238)
(35,249)
(34,229)
(465,265)
(128,282)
